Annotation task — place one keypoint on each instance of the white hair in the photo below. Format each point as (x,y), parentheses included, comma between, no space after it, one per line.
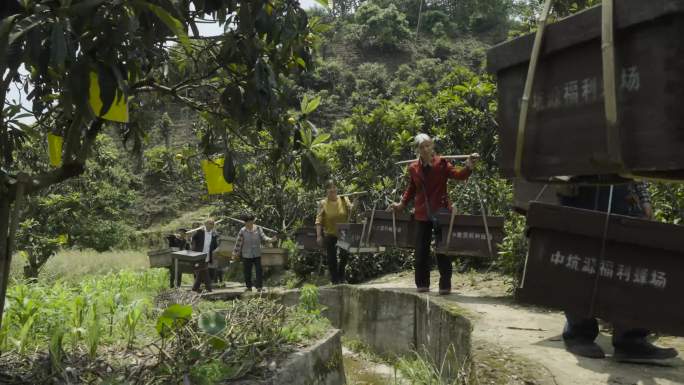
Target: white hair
(420,138)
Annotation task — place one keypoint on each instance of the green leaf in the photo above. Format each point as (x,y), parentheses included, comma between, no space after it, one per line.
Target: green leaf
(218,343)
(172,23)
(324,3)
(320,139)
(232,101)
(24,26)
(212,323)
(310,105)
(229,167)
(108,88)
(177,311)
(265,82)
(173,317)
(85,7)
(5,28)
(57,46)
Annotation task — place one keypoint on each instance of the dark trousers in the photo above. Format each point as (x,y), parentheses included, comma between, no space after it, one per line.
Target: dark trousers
(247,264)
(216,274)
(586,329)
(202,276)
(336,269)
(423,259)
(172,276)
(596,198)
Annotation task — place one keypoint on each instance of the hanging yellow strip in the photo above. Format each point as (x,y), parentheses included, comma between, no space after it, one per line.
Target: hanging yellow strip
(213,174)
(55,149)
(118,112)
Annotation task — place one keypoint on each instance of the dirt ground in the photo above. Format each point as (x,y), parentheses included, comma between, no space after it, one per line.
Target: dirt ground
(514,344)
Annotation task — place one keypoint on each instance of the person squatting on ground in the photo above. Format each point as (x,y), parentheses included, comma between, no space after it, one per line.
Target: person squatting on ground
(179,240)
(331,211)
(427,183)
(206,241)
(630,342)
(248,248)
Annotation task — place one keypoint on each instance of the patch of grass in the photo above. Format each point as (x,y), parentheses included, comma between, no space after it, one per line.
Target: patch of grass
(418,370)
(414,369)
(87,313)
(362,349)
(106,326)
(74,264)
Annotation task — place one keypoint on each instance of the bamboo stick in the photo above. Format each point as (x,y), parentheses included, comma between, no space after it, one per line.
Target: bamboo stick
(457,157)
(347,194)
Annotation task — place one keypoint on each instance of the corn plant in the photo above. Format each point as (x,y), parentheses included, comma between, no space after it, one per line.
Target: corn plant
(22,341)
(308,299)
(4,332)
(112,304)
(56,349)
(94,332)
(131,321)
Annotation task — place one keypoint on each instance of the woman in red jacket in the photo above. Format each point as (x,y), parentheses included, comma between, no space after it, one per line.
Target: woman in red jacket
(428,185)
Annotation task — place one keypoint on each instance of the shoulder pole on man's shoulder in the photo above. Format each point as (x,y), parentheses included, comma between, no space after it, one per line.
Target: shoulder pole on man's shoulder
(454,157)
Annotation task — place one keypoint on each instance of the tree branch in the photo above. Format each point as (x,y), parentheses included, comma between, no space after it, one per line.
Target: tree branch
(68,170)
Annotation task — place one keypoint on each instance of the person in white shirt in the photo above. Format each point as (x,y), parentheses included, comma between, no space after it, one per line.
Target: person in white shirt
(206,241)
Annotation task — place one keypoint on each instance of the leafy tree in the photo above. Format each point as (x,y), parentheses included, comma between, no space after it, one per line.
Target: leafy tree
(92,210)
(526,13)
(382,27)
(123,47)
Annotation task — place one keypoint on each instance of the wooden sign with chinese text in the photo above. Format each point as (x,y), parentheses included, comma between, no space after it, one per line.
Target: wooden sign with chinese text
(566,129)
(640,277)
(305,237)
(385,229)
(469,236)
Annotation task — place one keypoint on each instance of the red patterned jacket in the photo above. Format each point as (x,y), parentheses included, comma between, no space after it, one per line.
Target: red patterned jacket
(435,183)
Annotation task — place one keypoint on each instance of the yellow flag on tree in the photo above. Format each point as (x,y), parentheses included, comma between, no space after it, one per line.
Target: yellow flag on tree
(213,174)
(118,111)
(55,149)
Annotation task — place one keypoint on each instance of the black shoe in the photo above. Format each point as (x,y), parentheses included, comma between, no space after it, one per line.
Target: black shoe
(644,352)
(584,348)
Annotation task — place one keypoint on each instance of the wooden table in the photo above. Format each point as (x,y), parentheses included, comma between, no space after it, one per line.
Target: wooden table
(186,256)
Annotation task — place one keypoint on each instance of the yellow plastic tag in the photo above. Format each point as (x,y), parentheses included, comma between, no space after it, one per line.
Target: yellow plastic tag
(213,174)
(118,112)
(55,149)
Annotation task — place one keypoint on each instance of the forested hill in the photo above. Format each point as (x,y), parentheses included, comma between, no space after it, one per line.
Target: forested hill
(383,71)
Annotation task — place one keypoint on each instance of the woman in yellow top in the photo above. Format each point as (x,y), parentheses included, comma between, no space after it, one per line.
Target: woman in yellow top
(331,211)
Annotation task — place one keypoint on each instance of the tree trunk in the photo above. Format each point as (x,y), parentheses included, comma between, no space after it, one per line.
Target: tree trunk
(5,254)
(32,267)
(9,220)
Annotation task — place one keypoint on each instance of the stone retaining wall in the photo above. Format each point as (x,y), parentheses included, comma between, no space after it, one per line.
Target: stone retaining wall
(397,322)
(320,364)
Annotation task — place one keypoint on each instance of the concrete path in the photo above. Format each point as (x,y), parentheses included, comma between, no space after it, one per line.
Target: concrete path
(531,337)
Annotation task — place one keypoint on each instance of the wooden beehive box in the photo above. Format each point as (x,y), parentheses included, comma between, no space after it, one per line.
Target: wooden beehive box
(224,252)
(566,130)
(305,237)
(641,277)
(349,235)
(273,256)
(383,228)
(161,257)
(469,236)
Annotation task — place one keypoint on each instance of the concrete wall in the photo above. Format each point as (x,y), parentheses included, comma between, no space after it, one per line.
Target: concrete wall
(320,364)
(394,322)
